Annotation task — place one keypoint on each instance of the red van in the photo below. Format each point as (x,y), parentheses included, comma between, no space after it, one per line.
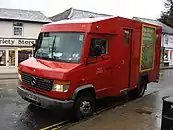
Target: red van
(79,61)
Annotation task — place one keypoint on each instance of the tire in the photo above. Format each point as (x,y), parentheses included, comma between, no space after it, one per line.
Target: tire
(139,91)
(83,102)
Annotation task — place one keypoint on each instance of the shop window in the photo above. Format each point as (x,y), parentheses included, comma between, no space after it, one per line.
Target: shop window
(24,54)
(2,58)
(101,43)
(18,28)
(11,57)
(126,36)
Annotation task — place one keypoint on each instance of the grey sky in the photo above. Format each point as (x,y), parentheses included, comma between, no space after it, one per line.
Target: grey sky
(125,8)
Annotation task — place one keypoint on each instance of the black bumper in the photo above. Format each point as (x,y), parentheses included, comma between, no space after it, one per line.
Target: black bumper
(43,101)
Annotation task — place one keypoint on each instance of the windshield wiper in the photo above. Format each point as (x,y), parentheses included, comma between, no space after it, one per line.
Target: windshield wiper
(40,56)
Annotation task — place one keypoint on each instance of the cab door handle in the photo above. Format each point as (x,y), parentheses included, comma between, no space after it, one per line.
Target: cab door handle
(108,68)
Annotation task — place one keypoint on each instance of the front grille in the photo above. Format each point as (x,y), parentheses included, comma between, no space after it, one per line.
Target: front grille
(37,82)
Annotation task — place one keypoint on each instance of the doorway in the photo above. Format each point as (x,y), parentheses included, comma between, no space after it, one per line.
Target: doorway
(8,60)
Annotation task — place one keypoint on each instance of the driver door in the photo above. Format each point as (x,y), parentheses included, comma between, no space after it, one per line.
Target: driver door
(100,70)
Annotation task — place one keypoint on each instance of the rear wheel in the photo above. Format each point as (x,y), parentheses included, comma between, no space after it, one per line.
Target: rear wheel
(139,91)
(84,106)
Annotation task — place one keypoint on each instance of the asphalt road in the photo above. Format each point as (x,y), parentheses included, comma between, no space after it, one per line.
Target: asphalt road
(16,114)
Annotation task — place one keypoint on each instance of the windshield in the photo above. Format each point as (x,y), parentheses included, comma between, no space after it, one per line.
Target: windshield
(61,47)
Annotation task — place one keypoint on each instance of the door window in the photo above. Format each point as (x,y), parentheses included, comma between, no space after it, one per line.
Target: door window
(2,57)
(98,42)
(126,36)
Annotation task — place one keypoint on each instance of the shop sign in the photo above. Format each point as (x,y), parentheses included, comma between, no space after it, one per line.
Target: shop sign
(16,42)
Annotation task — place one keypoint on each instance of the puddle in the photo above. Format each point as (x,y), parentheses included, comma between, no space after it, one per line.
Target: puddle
(143,111)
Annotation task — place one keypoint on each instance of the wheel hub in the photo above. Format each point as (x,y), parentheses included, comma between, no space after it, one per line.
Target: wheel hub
(85,107)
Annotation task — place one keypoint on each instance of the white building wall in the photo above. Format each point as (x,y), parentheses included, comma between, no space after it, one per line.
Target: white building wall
(30,30)
(6,29)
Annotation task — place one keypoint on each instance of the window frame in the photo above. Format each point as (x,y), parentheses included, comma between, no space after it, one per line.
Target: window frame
(18,27)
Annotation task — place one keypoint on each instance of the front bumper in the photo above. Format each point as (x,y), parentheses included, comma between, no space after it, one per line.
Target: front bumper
(43,101)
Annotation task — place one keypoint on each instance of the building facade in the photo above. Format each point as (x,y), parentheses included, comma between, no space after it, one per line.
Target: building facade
(18,31)
(167,49)
(167,40)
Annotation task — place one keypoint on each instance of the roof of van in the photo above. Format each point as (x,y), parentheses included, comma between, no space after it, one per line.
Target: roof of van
(105,25)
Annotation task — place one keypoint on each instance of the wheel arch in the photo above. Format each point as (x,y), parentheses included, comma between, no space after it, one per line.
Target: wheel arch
(89,88)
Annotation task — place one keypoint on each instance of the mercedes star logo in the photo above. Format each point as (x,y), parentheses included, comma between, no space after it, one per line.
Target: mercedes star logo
(33,81)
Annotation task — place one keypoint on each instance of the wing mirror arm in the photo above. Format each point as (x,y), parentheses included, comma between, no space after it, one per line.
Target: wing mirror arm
(94,56)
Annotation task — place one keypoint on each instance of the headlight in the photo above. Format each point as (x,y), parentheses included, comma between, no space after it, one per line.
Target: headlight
(61,86)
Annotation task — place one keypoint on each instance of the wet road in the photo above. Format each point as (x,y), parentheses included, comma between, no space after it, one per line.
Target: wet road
(19,114)
(16,114)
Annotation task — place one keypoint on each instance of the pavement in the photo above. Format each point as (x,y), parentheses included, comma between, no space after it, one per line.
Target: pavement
(141,114)
(166,67)
(8,76)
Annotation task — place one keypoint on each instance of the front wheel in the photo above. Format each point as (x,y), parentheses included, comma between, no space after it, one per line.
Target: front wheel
(84,106)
